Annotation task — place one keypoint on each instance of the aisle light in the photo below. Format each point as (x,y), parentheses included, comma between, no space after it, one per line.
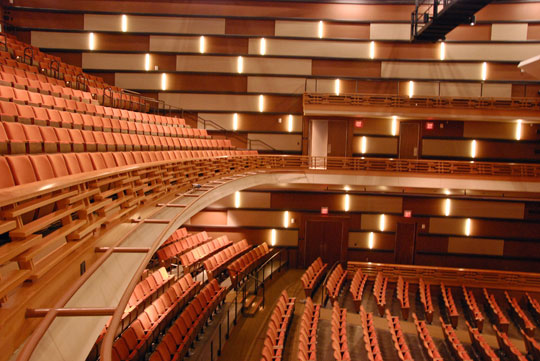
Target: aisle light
(468,227)
(286,219)
(442,51)
(411,89)
(518,129)
(202,44)
(91,41)
(382,222)
(372,50)
(337,87)
(321,25)
(371,240)
(473,149)
(163,81)
(347,203)
(124,23)
(147,62)
(261,103)
(262,47)
(273,237)
(447,206)
(484,71)
(240,65)
(235,121)
(363,144)
(290,123)
(394,125)
(236,199)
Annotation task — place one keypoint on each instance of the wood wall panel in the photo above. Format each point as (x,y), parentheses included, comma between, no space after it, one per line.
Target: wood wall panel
(528,90)
(381,241)
(393,50)
(479,130)
(376,145)
(465,261)
(460,89)
(346,68)
(431,243)
(443,129)
(122,42)
(499,229)
(488,52)
(465,208)
(210,218)
(496,90)
(520,249)
(374,127)
(267,65)
(206,63)
(59,40)
(334,30)
(68,57)
(311,48)
(280,142)
(370,256)
(372,222)
(300,29)
(220,45)
(479,32)
(509,32)
(254,122)
(388,31)
(174,44)
(249,27)
(533,32)
(182,82)
(412,70)
(480,246)
(108,61)
(247,200)
(46,20)
(498,71)
(509,11)
(260,84)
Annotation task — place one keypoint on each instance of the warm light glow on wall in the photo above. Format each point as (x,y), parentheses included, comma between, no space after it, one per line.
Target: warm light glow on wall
(347,204)
(447,205)
(91,41)
(235,121)
(124,23)
(442,51)
(394,125)
(147,62)
(363,145)
(290,123)
(236,199)
(240,65)
(337,87)
(382,222)
(202,44)
(518,129)
(163,81)
(473,149)
(372,50)
(261,103)
(273,237)
(371,240)
(286,219)
(346,188)
(411,89)
(468,227)
(484,70)
(321,28)
(262,47)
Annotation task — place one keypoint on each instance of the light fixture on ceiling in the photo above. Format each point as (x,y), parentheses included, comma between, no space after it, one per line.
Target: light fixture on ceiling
(472,21)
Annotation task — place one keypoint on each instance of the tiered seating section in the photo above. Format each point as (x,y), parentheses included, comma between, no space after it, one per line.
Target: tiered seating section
(358,284)
(307,342)
(218,263)
(426,340)
(492,307)
(398,337)
(371,343)
(424,290)
(313,275)
(379,292)
(480,345)
(247,263)
(335,282)
(449,305)
(177,340)
(339,333)
(507,347)
(521,318)
(193,259)
(533,304)
(472,308)
(454,343)
(178,244)
(532,346)
(278,327)
(402,294)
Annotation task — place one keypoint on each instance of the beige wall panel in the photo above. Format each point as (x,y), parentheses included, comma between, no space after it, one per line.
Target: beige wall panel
(299,29)
(59,40)
(460,89)
(209,219)
(290,142)
(421,88)
(284,237)
(277,66)
(361,240)
(389,31)
(495,130)
(143,81)
(259,84)
(493,90)
(444,147)
(486,52)
(376,204)
(247,200)
(174,44)
(411,70)
(93,22)
(226,121)
(466,245)
(209,102)
(322,85)
(509,32)
(243,218)
(315,48)
(376,145)
(371,222)
(447,226)
(113,61)
(204,63)
(466,208)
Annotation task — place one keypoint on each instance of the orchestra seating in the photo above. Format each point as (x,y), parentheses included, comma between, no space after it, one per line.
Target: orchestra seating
(426,340)
(379,292)
(339,333)
(179,234)
(247,263)
(480,345)
(398,337)
(402,294)
(358,284)
(449,305)
(424,290)
(533,305)
(313,275)
(335,282)
(307,342)
(192,260)
(174,249)
(218,263)
(492,307)
(532,346)
(371,342)
(473,309)
(520,317)
(278,327)
(507,347)
(453,342)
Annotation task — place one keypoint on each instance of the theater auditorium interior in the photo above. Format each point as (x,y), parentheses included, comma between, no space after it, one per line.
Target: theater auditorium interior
(272,180)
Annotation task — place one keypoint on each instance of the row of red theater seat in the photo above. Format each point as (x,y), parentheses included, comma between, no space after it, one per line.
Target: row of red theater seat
(179,234)
(191,260)
(335,282)
(426,340)
(449,305)
(480,345)
(507,347)
(492,307)
(371,342)
(36,82)
(167,254)
(455,345)
(398,337)
(307,339)
(425,299)
(313,276)
(340,344)
(217,263)
(379,292)
(534,305)
(17,138)
(358,284)
(278,327)
(247,263)
(522,319)
(472,308)
(532,346)
(23,169)
(176,342)
(402,294)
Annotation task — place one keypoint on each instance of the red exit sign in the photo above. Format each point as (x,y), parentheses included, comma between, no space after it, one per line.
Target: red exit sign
(358,123)
(407,214)
(429,125)
(324,210)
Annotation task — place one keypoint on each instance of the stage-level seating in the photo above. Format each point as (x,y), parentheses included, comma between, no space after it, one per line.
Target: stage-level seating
(379,292)
(247,263)
(278,328)
(480,345)
(191,260)
(358,284)
(307,336)
(454,343)
(428,345)
(173,250)
(449,305)
(398,337)
(507,347)
(424,291)
(520,317)
(218,263)
(313,275)
(335,282)
(402,294)
(340,344)
(371,342)
(497,315)
(473,309)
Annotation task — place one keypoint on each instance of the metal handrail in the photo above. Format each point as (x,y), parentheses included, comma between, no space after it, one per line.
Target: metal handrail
(26,55)
(323,303)
(244,285)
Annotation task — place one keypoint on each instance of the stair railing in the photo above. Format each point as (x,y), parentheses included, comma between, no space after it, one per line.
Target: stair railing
(323,299)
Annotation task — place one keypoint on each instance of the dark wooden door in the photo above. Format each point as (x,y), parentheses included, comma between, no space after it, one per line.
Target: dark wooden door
(405,243)
(409,137)
(337,138)
(325,239)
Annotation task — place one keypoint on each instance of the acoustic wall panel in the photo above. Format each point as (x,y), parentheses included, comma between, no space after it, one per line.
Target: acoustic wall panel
(259,84)
(487,52)
(212,102)
(251,218)
(446,148)
(376,145)
(113,61)
(205,63)
(313,48)
(509,32)
(460,89)
(266,65)
(245,200)
(142,81)
(480,246)
(175,44)
(422,70)
(371,240)
(253,122)
(59,40)
(298,29)
(494,90)
(389,31)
